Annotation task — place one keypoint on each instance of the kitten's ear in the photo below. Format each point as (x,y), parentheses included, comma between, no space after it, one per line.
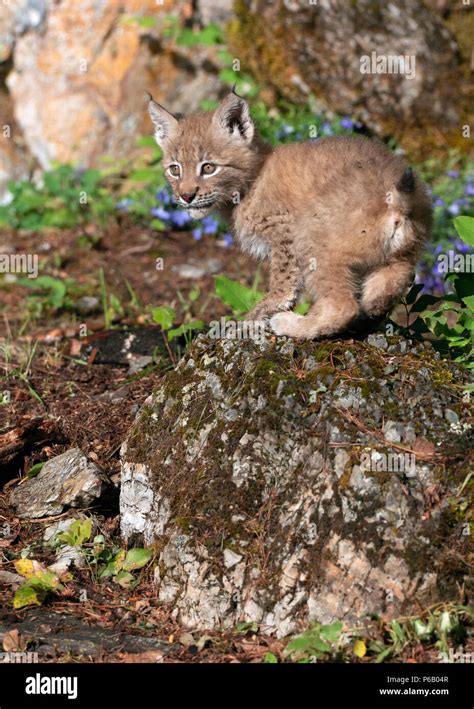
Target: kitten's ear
(164,122)
(233,117)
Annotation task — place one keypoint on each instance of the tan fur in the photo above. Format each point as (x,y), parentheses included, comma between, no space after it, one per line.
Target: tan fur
(343,217)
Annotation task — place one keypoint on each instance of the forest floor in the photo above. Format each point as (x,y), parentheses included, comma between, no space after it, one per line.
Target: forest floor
(60,398)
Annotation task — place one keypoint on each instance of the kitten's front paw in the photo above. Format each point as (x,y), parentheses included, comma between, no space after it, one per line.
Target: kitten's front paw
(286,324)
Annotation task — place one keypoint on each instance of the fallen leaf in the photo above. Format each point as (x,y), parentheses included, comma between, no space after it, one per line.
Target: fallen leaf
(139,657)
(422,447)
(12,641)
(359,648)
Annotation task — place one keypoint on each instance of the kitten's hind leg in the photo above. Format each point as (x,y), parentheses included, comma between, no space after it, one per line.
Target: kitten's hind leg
(382,288)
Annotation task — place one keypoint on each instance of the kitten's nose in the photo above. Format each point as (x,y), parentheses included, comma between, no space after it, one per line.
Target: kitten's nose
(188,196)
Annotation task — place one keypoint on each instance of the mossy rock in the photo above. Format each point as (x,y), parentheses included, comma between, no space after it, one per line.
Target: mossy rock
(318,48)
(284,482)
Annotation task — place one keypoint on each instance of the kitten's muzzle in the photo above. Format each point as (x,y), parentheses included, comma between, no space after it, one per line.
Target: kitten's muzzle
(198,204)
(188,196)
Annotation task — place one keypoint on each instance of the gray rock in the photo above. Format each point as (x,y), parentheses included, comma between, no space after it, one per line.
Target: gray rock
(299,508)
(194,271)
(451,416)
(87,304)
(68,480)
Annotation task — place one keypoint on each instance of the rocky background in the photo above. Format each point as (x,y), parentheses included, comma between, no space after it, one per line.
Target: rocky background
(73,75)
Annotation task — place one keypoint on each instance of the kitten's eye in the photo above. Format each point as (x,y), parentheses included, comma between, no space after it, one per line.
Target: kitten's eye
(208,168)
(174,170)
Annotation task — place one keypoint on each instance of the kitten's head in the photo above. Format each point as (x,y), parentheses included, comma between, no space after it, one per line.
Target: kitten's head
(209,158)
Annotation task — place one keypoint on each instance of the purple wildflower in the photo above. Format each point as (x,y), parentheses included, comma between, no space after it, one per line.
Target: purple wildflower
(160,213)
(209,225)
(347,123)
(123,205)
(180,218)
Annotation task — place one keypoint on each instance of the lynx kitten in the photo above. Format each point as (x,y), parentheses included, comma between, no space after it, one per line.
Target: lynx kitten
(342,218)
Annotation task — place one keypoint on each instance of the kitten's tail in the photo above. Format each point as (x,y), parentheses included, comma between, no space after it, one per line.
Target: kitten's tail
(402,190)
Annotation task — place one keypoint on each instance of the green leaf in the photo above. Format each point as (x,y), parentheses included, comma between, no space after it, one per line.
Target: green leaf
(27,595)
(124,579)
(413,292)
(465,228)
(77,533)
(163,316)
(332,632)
(184,328)
(111,569)
(383,655)
(34,470)
(270,659)
(464,285)
(209,36)
(423,302)
(55,289)
(136,558)
(300,644)
(240,298)
(144,175)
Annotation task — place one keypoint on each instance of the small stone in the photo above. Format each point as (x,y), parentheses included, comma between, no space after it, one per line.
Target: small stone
(138,363)
(393,431)
(87,305)
(67,557)
(189,270)
(378,340)
(231,558)
(67,480)
(451,416)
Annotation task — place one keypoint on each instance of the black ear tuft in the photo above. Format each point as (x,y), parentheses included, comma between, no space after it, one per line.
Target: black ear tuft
(406,183)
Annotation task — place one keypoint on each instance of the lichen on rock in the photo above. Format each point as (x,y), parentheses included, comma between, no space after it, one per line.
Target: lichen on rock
(286,482)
